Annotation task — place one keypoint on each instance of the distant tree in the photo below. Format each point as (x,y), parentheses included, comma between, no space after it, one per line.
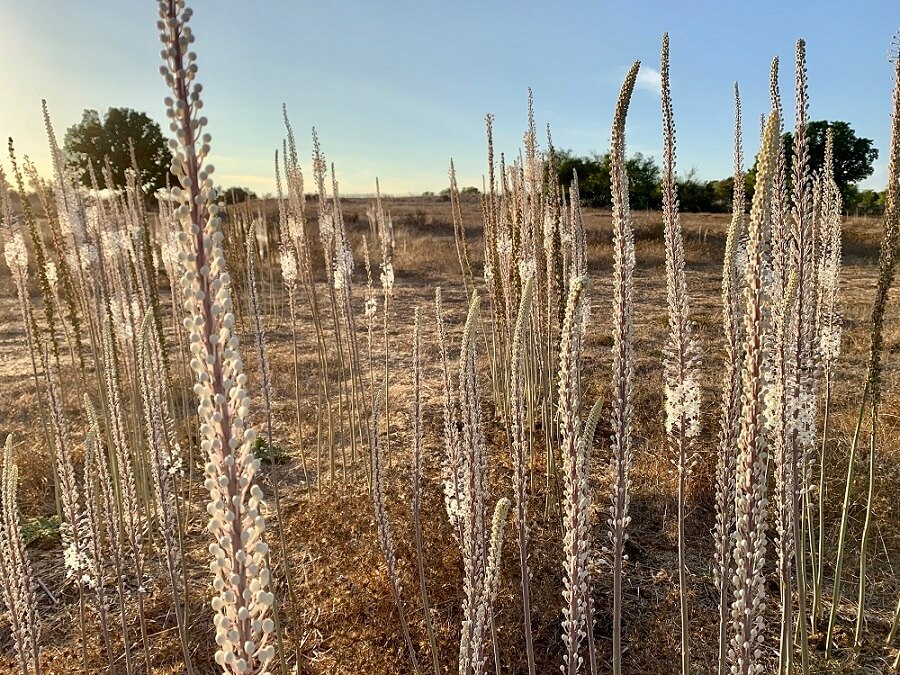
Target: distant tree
(695,195)
(236,195)
(853,156)
(644,191)
(94,140)
(723,193)
(866,203)
(465,193)
(593,176)
(594,184)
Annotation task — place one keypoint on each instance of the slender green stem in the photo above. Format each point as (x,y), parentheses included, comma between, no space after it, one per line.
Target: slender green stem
(845,517)
(864,543)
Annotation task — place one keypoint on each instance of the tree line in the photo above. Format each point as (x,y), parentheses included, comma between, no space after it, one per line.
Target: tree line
(853,163)
(101,149)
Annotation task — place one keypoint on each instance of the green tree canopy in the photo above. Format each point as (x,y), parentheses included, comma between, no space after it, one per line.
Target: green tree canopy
(594,182)
(853,156)
(237,195)
(90,142)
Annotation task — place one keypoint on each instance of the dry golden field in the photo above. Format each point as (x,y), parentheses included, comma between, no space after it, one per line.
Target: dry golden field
(342,618)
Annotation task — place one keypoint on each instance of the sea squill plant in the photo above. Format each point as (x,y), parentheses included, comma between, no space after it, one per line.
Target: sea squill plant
(828,328)
(451,467)
(161,465)
(681,386)
(472,498)
(16,582)
(480,550)
(15,253)
(241,602)
(521,447)
(723,532)
(95,549)
(802,350)
(623,359)
(576,493)
(297,272)
(115,543)
(748,607)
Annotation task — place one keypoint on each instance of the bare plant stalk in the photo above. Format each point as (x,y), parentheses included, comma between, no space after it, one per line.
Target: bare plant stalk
(384,531)
(107,511)
(887,263)
(265,377)
(682,389)
(871,391)
(623,359)
(417,486)
(160,460)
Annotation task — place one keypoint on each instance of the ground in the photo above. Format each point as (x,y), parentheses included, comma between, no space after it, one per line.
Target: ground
(342,619)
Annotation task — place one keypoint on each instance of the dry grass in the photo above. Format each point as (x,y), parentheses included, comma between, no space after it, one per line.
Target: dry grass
(344,620)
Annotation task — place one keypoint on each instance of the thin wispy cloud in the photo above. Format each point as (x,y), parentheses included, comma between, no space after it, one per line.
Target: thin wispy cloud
(649,79)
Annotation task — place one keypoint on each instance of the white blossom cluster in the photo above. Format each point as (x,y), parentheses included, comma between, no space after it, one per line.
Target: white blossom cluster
(387,277)
(241,601)
(52,274)
(371,307)
(16,254)
(683,404)
(829,273)
(288,260)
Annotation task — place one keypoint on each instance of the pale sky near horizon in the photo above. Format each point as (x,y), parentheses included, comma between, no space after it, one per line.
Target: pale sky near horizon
(397,89)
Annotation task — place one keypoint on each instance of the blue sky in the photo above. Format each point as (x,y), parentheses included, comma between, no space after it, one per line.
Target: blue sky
(395,89)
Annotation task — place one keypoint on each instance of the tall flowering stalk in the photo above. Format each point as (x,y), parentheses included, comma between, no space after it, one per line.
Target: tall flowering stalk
(577,537)
(623,358)
(521,451)
(781,293)
(731,401)
(829,325)
(473,487)
(451,467)
(803,354)
(681,387)
(16,584)
(241,601)
(749,604)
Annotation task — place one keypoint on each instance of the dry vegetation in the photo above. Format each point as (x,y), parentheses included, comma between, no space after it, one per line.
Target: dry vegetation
(336,602)
(344,615)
